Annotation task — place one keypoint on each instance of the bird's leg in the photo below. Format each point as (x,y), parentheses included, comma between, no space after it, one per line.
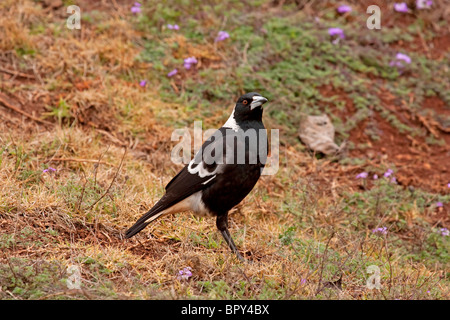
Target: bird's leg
(222,225)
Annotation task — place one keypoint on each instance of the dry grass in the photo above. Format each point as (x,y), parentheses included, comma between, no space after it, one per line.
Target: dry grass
(54,209)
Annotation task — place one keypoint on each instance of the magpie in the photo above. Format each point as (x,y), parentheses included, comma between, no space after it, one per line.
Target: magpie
(221,174)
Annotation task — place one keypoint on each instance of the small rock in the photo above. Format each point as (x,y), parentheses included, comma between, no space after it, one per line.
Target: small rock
(317,133)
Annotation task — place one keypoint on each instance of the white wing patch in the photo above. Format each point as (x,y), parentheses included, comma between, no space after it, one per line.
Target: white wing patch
(208,180)
(200,169)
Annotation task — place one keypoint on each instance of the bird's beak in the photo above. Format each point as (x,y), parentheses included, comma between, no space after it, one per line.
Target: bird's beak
(257,102)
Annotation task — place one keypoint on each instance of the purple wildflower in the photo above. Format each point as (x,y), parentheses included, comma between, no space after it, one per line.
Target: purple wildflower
(49,169)
(362,175)
(222,35)
(439,204)
(444,232)
(173,27)
(424,4)
(184,274)
(448,185)
(136,8)
(172,73)
(394,180)
(403,57)
(375,177)
(382,230)
(400,59)
(336,32)
(388,173)
(401,7)
(344,9)
(396,63)
(303,281)
(143,83)
(188,62)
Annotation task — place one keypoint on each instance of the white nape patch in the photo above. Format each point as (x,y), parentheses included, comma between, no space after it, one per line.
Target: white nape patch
(194,202)
(208,180)
(231,123)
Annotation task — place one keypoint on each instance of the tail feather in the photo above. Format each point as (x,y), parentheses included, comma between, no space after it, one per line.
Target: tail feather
(165,205)
(136,228)
(145,220)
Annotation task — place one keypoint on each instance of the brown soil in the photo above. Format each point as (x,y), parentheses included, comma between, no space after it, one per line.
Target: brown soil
(438,48)
(418,164)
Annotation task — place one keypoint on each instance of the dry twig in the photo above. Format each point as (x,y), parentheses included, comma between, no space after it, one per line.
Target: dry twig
(4,101)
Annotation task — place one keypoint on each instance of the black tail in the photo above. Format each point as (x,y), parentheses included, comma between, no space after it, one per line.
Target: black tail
(142,222)
(167,201)
(136,228)
(164,203)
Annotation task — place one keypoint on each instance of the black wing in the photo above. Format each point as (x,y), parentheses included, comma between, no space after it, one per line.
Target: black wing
(199,174)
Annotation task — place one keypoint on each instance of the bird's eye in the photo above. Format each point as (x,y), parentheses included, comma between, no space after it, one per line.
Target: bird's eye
(244,102)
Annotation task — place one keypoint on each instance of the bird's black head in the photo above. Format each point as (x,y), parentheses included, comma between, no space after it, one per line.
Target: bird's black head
(249,107)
